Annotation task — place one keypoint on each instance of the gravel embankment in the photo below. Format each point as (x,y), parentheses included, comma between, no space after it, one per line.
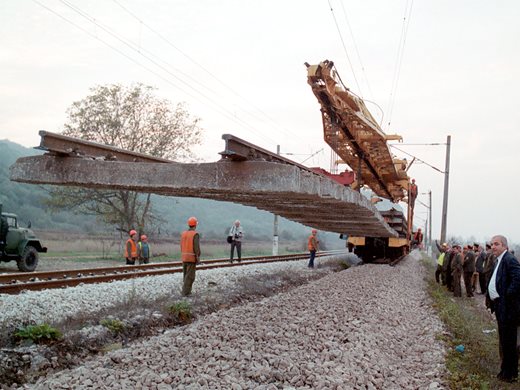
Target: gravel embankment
(57,305)
(370,327)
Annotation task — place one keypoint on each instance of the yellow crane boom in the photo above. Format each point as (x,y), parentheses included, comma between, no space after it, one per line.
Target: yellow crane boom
(351,131)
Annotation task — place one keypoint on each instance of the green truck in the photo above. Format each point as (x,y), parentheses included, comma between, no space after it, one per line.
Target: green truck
(18,243)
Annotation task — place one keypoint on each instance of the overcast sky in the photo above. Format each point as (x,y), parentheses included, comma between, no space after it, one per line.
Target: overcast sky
(239,66)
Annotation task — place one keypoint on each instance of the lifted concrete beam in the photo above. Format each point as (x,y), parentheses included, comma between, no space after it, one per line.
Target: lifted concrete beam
(287,190)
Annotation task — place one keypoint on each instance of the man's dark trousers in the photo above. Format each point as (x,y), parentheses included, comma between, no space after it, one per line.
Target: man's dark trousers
(311,259)
(238,245)
(507,332)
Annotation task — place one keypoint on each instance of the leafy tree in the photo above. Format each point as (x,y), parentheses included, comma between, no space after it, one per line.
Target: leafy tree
(130,118)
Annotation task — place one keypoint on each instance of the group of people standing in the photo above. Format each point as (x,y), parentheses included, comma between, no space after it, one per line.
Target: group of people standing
(190,250)
(137,250)
(471,263)
(498,273)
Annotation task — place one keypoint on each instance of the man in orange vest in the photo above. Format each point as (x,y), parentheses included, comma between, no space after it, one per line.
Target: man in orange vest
(312,244)
(413,194)
(131,248)
(190,255)
(417,238)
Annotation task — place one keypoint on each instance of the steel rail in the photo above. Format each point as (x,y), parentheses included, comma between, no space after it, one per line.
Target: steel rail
(130,272)
(6,278)
(237,149)
(75,147)
(396,261)
(70,273)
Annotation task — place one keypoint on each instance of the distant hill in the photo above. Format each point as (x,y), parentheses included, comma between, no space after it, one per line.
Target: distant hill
(215,218)
(26,200)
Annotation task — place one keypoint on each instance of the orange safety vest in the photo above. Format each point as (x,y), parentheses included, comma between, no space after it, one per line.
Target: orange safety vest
(311,245)
(133,250)
(187,250)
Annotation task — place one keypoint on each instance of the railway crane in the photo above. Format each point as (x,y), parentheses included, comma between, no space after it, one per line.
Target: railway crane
(354,135)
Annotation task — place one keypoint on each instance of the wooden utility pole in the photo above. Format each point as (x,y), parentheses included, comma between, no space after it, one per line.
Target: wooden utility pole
(446,185)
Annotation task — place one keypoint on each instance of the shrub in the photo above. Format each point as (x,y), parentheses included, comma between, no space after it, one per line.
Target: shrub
(182,310)
(38,333)
(113,325)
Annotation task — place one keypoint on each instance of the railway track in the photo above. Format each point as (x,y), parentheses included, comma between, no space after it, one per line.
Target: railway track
(15,283)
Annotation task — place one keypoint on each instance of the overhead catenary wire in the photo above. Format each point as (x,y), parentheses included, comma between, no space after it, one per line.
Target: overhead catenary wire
(312,155)
(215,105)
(399,60)
(226,112)
(417,158)
(356,48)
(110,46)
(345,48)
(137,47)
(211,74)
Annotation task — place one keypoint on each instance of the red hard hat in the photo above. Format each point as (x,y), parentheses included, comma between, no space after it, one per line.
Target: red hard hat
(144,238)
(132,232)
(192,221)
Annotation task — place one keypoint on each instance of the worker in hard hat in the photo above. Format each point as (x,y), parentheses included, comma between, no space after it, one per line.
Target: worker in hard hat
(143,249)
(190,255)
(131,253)
(439,275)
(417,239)
(312,245)
(412,195)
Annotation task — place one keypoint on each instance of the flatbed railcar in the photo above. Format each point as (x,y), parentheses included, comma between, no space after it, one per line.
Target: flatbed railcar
(383,249)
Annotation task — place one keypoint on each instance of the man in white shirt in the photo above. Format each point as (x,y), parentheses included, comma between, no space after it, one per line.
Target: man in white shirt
(504,298)
(236,233)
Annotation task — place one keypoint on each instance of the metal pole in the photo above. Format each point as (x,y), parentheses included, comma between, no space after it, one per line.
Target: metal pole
(446,185)
(410,225)
(430,221)
(275,224)
(426,234)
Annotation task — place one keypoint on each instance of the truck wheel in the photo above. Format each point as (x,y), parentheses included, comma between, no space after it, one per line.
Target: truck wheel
(29,260)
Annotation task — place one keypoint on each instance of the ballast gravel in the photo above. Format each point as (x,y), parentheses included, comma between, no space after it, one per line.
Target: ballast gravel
(368,327)
(58,305)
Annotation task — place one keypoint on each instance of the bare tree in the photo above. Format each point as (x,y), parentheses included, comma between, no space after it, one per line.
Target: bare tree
(134,119)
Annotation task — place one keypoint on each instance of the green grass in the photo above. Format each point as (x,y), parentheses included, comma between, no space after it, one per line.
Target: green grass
(477,366)
(41,333)
(114,325)
(181,310)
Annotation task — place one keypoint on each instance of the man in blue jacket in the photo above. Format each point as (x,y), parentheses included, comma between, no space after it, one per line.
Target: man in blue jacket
(504,299)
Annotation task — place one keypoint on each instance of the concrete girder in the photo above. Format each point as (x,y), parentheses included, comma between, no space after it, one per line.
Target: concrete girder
(284,189)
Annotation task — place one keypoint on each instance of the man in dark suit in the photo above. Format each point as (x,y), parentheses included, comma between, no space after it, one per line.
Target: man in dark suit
(504,297)
(468,269)
(456,270)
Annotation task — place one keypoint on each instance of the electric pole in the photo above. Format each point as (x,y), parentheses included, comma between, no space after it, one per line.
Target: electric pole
(430,222)
(275,223)
(446,185)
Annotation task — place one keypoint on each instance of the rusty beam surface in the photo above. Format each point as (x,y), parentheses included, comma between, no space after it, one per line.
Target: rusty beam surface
(287,190)
(74,147)
(237,149)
